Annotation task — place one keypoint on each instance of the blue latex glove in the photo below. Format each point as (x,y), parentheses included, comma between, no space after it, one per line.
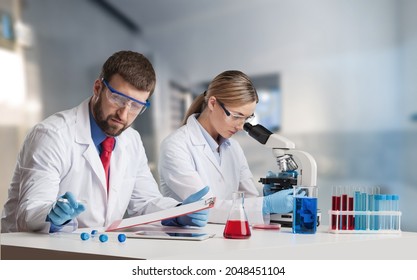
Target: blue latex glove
(65,209)
(267,187)
(198,219)
(279,202)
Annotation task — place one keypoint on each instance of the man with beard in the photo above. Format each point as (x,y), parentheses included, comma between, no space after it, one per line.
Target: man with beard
(86,167)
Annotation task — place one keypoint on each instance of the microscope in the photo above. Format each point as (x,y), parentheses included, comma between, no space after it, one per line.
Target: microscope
(295,167)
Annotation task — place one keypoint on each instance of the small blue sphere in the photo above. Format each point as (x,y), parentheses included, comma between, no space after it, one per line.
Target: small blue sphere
(103,238)
(121,237)
(85,236)
(94,232)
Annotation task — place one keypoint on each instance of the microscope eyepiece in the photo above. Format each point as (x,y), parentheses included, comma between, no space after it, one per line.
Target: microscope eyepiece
(247,127)
(258,132)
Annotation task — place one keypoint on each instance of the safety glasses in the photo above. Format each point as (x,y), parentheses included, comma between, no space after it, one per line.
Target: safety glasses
(235,117)
(122,100)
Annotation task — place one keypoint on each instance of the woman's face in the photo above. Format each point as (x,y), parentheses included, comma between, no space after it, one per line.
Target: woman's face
(227,120)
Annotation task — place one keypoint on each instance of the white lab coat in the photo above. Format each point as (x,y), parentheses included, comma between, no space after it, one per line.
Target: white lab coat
(187,164)
(59,155)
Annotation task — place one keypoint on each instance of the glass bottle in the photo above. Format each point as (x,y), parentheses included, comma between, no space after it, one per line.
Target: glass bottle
(237,226)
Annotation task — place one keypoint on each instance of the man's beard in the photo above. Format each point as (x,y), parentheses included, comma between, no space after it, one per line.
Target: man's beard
(103,122)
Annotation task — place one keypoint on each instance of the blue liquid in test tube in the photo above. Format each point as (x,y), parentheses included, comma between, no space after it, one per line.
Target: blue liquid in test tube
(394,207)
(388,207)
(379,202)
(364,221)
(357,207)
(371,203)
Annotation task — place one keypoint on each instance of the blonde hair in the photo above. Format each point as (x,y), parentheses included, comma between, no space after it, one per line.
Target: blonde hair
(233,88)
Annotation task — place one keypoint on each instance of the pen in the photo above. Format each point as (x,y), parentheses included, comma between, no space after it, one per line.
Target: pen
(61,199)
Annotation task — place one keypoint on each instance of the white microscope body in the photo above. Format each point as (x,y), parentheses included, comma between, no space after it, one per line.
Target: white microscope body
(307,166)
(301,166)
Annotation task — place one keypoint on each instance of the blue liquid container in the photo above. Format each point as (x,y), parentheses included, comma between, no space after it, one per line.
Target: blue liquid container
(305,215)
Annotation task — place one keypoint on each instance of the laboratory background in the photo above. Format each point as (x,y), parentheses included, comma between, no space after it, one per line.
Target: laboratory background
(337,77)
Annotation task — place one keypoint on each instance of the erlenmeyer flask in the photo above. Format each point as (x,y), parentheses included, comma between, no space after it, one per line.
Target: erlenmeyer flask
(237,226)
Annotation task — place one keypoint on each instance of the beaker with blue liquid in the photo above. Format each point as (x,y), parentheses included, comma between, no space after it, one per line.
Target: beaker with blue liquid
(305,210)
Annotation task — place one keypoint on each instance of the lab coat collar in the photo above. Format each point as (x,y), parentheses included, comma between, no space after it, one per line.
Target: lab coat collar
(83,137)
(198,131)
(83,127)
(197,139)
(83,131)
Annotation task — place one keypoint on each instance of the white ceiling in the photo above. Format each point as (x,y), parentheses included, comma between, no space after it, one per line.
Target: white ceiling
(202,35)
(156,14)
(201,38)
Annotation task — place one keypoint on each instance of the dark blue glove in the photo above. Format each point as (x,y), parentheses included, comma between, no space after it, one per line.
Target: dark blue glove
(65,209)
(198,219)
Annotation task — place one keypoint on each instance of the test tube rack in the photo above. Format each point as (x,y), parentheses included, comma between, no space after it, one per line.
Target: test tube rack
(370,221)
(364,210)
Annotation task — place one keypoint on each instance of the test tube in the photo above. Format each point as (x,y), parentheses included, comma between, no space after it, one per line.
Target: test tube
(375,208)
(344,207)
(357,207)
(395,207)
(383,207)
(389,217)
(364,207)
(379,206)
(351,218)
(387,208)
(371,209)
(335,207)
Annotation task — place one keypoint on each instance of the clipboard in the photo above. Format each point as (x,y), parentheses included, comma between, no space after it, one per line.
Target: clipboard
(162,215)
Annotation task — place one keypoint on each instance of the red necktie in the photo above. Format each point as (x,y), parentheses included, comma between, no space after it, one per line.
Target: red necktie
(106,149)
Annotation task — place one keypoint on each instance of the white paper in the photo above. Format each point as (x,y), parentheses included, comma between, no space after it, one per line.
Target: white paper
(163,215)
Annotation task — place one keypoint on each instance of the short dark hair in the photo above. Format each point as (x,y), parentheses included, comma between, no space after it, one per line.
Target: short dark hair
(133,67)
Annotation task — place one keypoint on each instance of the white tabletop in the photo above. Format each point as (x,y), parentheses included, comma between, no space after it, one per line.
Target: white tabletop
(263,244)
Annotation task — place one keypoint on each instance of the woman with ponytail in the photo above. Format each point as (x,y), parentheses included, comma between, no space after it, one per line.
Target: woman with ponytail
(202,153)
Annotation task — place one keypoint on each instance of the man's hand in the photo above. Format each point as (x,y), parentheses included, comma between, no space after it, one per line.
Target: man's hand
(65,209)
